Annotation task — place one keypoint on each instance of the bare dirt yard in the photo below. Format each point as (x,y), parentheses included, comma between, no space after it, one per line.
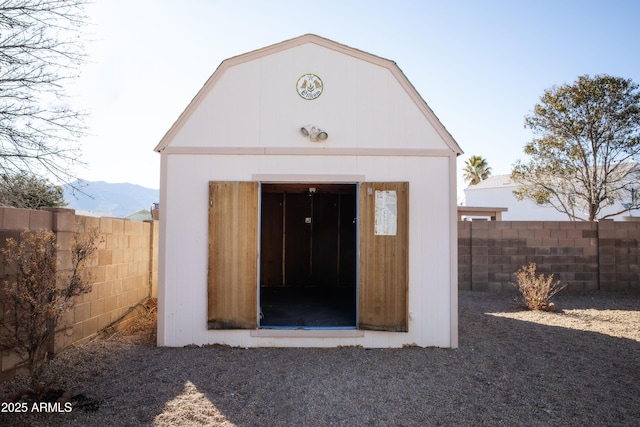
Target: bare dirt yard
(577,366)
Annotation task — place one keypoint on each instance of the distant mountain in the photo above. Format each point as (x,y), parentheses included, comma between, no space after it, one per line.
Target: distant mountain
(116,200)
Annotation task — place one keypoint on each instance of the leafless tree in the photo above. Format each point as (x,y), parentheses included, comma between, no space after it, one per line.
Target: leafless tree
(41,50)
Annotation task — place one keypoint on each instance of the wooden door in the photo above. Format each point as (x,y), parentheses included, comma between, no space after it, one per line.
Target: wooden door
(233,255)
(384,252)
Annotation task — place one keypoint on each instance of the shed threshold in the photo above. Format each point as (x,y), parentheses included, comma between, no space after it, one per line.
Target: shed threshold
(281,332)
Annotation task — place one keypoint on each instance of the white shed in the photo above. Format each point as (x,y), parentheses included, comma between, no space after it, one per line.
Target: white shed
(308,198)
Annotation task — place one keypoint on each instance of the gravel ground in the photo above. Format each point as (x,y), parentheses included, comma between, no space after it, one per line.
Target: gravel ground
(578,366)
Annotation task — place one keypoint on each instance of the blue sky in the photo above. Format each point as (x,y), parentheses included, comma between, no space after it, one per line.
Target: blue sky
(480,65)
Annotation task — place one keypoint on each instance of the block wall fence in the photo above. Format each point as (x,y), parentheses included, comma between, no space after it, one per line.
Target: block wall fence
(587,255)
(601,255)
(123,270)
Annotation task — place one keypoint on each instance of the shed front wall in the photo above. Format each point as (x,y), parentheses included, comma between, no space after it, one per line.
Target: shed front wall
(432,297)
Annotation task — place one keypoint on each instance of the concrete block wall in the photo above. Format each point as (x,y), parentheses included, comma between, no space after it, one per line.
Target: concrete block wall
(120,271)
(14,221)
(586,255)
(123,271)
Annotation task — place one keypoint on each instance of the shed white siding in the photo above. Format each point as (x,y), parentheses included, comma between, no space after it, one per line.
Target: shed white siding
(244,126)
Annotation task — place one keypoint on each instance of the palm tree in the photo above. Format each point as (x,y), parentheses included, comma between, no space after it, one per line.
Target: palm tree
(476,170)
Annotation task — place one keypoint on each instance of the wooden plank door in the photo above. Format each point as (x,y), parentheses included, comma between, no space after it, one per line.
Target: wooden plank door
(233,255)
(384,252)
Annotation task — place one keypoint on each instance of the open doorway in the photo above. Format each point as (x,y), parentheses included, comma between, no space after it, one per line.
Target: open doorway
(308,255)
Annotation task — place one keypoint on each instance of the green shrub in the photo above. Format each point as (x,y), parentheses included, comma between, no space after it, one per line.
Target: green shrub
(536,291)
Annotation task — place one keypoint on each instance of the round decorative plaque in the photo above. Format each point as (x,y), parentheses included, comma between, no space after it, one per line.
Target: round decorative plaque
(309,86)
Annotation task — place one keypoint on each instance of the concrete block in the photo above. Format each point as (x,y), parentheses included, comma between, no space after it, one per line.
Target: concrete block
(585,277)
(64,220)
(132,227)
(528,251)
(106,225)
(543,251)
(606,243)
(479,225)
(110,303)
(123,271)
(480,286)
(526,233)
(559,233)
(105,257)
(558,268)
(494,268)
(92,295)
(90,327)
(479,251)
(607,268)
(534,242)
(98,274)
(606,224)
(607,260)
(97,307)
(574,233)
(40,220)
(118,226)
(503,277)
(534,225)
(82,312)
(91,223)
(494,250)
(518,260)
(103,321)
(15,219)
(479,260)
(499,259)
(565,277)
(510,234)
(575,250)
(541,233)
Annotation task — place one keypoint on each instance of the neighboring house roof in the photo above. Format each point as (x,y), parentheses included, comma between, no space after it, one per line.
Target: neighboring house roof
(496,181)
(141,215)
(497,190)
(326,43)
(95,214)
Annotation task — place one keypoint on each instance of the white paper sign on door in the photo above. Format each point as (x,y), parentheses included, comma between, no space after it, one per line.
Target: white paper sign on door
(386,223)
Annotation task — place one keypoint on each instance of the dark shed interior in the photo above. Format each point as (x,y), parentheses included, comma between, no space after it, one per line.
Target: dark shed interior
(308,255)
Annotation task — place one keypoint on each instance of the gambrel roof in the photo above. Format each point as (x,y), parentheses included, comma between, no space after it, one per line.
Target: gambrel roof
(310,39)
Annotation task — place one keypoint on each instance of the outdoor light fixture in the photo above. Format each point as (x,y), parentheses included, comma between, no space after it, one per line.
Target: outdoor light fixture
(314,133)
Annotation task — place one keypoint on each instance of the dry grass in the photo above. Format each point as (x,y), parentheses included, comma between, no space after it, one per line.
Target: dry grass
(577,366)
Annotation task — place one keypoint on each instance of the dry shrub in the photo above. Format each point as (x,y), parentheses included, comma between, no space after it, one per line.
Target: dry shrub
(38,294)
(536,291)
